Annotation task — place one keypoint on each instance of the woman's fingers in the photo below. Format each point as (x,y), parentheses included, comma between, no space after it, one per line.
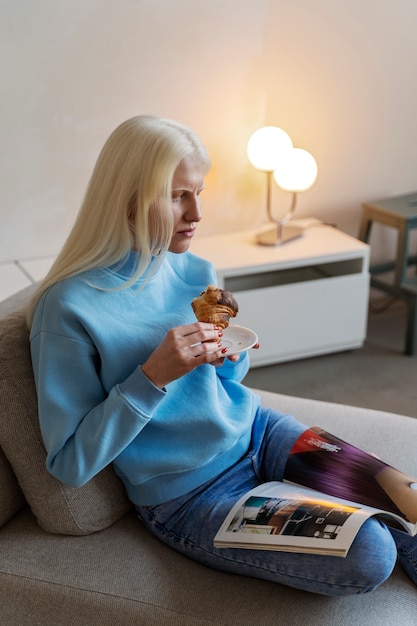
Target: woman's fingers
(183,349)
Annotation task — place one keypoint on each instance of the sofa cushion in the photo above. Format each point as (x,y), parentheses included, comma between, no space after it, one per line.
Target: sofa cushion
(11,496)
(57,507)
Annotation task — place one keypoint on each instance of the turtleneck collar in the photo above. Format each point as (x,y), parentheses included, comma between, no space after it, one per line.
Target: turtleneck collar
(127,265)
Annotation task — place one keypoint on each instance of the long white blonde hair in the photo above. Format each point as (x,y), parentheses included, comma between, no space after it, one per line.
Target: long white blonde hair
(128,200)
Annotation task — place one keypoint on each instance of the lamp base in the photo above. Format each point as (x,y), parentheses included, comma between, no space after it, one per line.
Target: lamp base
(277,234)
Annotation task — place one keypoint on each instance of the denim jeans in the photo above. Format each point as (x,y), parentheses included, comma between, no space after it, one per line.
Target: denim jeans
(189,523)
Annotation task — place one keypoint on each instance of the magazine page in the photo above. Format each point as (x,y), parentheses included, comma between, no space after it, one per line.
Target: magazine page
(323,462)
(290,518)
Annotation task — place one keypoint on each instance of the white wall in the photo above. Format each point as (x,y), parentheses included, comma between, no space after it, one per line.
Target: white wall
(337,75)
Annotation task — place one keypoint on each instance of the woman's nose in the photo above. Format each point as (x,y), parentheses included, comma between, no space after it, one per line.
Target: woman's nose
(194,210)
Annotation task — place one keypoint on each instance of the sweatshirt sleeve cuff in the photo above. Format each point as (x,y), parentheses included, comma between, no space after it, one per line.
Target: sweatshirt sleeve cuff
(235,370)
(142,393)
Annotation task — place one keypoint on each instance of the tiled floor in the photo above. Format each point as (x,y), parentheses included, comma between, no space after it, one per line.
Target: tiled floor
(15,275)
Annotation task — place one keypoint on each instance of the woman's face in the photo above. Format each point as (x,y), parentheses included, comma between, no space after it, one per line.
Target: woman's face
(187,184)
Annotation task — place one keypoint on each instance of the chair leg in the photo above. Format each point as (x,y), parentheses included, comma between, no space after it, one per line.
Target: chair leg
(365,229)
(402,255)
(411,336)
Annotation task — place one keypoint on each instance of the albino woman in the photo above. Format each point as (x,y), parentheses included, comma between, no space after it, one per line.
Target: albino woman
(126,375)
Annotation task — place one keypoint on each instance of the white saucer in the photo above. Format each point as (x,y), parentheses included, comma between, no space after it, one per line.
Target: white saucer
(238,339)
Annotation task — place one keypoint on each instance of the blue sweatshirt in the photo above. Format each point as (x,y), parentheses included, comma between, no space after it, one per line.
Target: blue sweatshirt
(96,406)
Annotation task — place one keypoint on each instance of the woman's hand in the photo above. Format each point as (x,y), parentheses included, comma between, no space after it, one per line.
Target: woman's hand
(183,349)
(232,357)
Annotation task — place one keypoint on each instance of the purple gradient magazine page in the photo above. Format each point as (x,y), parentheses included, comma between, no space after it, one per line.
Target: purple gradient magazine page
(323,462)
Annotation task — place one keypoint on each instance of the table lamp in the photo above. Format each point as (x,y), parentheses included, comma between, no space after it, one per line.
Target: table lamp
(270,150)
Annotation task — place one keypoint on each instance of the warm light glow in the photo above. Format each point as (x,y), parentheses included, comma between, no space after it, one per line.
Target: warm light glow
(298,172)
(268,148)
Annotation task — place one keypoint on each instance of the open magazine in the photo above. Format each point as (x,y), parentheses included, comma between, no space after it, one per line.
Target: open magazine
(330,488)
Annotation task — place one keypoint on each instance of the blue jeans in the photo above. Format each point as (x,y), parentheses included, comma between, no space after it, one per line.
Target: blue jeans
(189,523)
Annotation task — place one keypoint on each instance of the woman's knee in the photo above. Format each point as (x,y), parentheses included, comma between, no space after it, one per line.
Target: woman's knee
(367,565)
(373,554)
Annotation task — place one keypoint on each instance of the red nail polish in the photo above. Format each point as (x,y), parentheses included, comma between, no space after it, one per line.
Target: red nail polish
(224,350)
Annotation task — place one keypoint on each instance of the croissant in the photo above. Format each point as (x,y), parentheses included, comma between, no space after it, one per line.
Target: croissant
(215,306)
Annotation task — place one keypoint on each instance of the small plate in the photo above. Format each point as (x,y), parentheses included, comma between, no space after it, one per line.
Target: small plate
(238,339)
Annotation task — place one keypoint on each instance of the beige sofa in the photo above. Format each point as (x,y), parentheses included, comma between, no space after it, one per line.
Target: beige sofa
(81,557)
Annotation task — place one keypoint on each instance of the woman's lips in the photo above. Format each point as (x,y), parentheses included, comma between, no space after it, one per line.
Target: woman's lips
(189,232)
